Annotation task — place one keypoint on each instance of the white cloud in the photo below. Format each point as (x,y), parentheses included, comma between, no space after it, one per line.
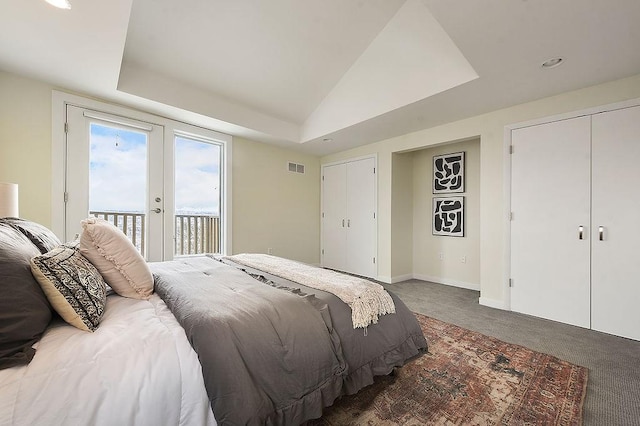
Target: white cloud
(197,177)
(118,174)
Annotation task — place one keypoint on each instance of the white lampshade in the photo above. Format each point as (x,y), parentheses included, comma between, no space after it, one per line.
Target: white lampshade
(8,199)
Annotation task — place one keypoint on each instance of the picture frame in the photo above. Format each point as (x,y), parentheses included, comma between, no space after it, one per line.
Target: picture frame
(448,173)
(448,216)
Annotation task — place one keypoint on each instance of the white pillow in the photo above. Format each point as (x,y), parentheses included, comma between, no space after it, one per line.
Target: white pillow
(116,258)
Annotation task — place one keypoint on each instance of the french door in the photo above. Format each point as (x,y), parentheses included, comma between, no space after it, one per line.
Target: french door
(161,185)
(115,171)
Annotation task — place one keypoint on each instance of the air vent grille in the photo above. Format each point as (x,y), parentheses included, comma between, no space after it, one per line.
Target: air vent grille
(295,167)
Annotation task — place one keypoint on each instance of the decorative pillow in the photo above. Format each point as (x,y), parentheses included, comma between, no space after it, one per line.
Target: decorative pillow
(24,310)
(72,284)
(117,259)
(42,237)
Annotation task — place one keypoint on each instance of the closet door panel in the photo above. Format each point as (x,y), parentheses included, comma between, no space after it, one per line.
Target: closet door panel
(361,227)
(616,208)
(334,211)
(550,201)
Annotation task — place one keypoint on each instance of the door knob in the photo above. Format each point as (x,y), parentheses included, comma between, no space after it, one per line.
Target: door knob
(157,210)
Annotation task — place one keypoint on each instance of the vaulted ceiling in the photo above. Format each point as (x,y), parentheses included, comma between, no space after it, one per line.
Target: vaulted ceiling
(298,73)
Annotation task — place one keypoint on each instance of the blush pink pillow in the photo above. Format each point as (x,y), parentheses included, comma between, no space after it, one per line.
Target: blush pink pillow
(116,258)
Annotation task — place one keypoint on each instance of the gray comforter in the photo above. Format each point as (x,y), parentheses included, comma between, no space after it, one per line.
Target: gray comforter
(273,351)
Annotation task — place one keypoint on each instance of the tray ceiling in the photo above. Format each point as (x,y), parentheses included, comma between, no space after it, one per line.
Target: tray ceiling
(294,73)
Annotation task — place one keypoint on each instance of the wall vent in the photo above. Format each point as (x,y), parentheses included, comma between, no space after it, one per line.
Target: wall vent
(295,167)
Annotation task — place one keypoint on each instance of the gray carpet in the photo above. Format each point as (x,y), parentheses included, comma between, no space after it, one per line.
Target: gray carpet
(613,389)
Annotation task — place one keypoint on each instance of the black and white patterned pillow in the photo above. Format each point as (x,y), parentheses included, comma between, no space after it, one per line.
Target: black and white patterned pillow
(74,287)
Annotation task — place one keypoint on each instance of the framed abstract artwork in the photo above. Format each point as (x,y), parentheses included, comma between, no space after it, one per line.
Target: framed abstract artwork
(448,216)
(448,173)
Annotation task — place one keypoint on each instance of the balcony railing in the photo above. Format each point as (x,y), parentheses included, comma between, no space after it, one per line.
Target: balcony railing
(131,223)
(194,233)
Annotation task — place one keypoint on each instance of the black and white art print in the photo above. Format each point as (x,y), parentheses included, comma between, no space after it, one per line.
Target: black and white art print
(448,173)
(448,216)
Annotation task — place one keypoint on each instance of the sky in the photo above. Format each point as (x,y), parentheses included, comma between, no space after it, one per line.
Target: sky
(197,176)
(118,172)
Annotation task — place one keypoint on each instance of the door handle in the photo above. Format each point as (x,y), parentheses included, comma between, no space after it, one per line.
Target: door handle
(601,233)
(581,232)
(348,223)
(343,223)
(157,210)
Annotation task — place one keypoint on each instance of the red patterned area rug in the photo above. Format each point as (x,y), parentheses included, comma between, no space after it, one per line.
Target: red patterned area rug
(468,379)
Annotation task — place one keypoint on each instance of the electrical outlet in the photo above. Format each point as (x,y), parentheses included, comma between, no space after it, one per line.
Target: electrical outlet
(269,250)
(463,259)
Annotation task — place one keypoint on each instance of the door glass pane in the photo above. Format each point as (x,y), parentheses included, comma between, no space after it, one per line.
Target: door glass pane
(197,196)
(118,179)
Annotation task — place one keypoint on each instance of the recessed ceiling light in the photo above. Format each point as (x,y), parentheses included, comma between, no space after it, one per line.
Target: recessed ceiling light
(61,4)
(552,63)
(327,140)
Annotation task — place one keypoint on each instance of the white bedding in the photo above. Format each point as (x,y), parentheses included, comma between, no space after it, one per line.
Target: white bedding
(136,368)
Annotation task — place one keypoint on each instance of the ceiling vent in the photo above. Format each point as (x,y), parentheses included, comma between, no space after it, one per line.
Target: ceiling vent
(295,167)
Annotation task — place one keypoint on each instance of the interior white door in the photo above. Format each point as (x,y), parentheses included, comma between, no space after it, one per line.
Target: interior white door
(361,226)
(615,232)
(550,228)
(334,211)
(117,162)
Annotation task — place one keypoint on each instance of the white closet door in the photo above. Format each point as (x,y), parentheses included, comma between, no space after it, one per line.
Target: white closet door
(334,219)
(550,201)
(616,208)
(361,227)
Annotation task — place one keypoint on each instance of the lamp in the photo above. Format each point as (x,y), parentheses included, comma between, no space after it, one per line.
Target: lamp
(8,199)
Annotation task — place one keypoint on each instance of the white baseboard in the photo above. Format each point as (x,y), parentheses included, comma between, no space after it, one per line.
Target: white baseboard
(485,301)
(400,278)
(385,279)
(493,303)
(446,281)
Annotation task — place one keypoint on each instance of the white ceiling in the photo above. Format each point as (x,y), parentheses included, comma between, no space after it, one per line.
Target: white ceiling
(296,72)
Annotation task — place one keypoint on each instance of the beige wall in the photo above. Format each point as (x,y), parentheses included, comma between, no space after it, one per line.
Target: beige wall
(427,248)
(415,252)
(25,143)
(25,158)
(270,208)
(490,128)
(402,205)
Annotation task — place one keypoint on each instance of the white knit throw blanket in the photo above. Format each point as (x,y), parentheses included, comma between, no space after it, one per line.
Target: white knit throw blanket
(366,299)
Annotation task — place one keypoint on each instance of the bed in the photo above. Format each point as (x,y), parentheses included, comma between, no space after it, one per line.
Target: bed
(215,341)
